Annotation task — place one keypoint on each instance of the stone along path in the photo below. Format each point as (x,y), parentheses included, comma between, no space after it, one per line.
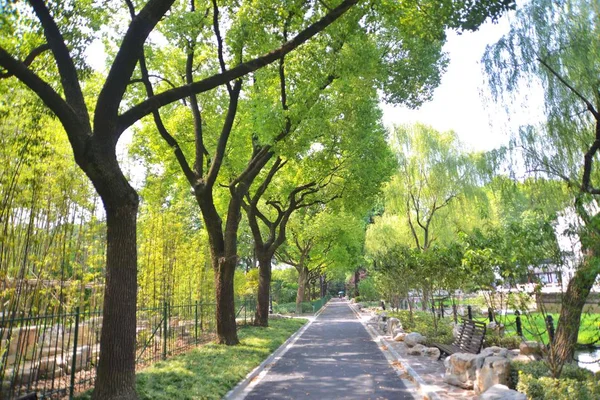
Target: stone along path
(335,358)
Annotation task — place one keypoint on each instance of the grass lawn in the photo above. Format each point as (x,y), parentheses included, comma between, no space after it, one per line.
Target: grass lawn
(210,371)
(534,324)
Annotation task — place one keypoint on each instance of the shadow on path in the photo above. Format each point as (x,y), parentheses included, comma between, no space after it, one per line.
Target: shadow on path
(334,358)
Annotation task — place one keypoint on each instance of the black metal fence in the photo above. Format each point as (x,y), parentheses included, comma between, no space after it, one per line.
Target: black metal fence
(55,355)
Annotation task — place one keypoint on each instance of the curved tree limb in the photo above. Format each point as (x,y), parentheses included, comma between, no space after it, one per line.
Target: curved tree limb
(146,107)
(64,62)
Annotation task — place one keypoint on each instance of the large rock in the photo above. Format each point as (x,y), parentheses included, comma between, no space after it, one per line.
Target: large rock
(526,359)
(414,338)
(461,370)
(82,357)
(52,367)
(397,331)
(417,350)
(393,324)
(495,370)
(432,352)
(400,337)
(501,392)
(494,351)
(530,348)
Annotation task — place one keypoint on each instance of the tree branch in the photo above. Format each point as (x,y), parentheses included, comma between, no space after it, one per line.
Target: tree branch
(66,67)
(67,116)
(588,160)
(219,42)
(164,133)
(224,137)
(147,106)
(589,105)
(131,49)
(29,59)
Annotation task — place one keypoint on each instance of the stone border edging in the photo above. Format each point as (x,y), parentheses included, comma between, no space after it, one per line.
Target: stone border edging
(426,390)
(243,388)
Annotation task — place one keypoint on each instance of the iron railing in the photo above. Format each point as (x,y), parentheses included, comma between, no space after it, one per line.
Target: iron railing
(55,355)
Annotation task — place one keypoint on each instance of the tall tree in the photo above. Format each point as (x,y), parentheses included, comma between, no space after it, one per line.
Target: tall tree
(434,171)
(556,44)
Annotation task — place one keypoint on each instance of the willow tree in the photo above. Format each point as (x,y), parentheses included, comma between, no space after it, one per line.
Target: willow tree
(434,173)
(555,45)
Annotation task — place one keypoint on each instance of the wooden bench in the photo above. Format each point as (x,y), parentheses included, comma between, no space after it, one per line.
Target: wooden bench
(469,340)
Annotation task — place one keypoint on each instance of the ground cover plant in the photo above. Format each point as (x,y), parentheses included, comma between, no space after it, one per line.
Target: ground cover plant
(210,371)
(439,331)
(535,380)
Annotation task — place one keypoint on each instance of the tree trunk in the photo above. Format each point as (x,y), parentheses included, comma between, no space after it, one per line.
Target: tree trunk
(116,368)
(356,281)
(425,299)
(261,317)
(224,268)
(572,303)
(302,281)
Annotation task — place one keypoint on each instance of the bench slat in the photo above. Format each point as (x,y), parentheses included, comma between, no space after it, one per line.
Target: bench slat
(469,339)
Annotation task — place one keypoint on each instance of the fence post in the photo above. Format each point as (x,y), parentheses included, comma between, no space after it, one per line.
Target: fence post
(518,322)
(74,361)
(550,327)
(196,324)
(165,329)
(470,312)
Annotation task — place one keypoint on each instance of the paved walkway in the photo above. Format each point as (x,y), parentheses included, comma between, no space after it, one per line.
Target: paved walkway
(334,358)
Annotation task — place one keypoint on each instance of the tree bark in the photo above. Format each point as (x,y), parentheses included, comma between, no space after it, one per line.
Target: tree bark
(116,368)
(225,299)
(572,303)
(356,281)
(261,317)
(302,283)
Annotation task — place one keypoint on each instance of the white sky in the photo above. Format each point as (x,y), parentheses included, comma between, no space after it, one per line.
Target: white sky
(457,104)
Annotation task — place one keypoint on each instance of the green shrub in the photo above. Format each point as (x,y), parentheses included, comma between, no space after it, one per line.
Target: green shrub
(540,369)
(423,323)
(367,289)
(357,299)
(290,308)
(546,388)
(509,342)
(371,303)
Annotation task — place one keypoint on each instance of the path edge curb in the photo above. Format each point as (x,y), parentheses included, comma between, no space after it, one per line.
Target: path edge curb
(422,387)
(238,391)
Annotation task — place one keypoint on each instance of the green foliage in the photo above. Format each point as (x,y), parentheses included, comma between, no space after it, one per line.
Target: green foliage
(423,323)
(290,308)
(508,342)
(546,388)
(367,290)
(540,369)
